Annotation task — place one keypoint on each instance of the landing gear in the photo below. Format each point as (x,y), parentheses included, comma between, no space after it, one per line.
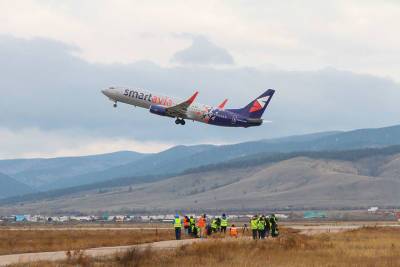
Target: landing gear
(180,121)
(115,104)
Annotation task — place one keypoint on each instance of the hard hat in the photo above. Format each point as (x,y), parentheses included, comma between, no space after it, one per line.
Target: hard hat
(176,215)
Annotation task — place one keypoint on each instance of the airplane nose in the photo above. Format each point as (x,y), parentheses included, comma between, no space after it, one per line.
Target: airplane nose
(109,92)
(105,92)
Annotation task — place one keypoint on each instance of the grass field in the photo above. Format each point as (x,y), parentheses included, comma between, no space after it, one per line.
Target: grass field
(23,241)
(363,247)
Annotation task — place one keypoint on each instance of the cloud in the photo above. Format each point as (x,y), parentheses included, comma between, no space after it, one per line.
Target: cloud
(45,86)
(20,144)
(351,35)
(203,52)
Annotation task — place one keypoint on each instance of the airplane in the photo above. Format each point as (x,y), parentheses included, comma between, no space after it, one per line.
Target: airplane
(248,116)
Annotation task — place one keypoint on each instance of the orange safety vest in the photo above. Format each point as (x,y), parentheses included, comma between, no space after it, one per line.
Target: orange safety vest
(233,232)
(185,222)
(201,222)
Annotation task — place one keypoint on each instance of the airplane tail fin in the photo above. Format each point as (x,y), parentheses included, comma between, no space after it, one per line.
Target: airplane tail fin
(256,108)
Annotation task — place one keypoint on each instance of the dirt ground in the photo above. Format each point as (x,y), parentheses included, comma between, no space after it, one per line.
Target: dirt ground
(365,246)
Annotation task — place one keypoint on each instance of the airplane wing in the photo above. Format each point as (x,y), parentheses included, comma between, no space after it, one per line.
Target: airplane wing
(222,105)
(179,110)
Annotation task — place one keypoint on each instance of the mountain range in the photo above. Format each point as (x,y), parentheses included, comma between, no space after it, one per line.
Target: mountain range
(300,180)
(10,187)
(69,175)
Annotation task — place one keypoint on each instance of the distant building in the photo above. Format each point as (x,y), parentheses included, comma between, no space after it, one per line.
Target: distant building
(281,216)
(373,209)
(314,215)
(20,218)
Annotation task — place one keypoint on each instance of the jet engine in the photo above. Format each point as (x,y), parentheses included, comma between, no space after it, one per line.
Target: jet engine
(159,110)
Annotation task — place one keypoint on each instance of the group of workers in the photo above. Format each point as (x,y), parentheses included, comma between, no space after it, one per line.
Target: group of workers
(261,226)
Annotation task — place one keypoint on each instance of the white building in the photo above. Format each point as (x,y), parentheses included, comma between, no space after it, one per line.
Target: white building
(373,209)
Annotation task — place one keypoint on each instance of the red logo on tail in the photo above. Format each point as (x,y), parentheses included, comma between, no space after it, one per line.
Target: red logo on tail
(259,104)
(256,107)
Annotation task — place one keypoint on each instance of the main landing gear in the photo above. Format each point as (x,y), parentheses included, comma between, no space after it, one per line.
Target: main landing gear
(180,121)
(115,104)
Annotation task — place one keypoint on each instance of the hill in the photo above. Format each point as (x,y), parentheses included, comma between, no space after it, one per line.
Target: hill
(180,158)
(40,172)
(301,180)
(10,187)
(170,161)
(62,173)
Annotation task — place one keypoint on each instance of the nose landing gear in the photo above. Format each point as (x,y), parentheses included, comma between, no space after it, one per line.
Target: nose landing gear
(180,121)
(115,104)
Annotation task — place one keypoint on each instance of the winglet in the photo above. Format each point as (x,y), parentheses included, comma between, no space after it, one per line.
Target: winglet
(222,105)
(192,98)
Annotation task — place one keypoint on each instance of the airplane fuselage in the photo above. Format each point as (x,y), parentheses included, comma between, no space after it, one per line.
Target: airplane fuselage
(157,103)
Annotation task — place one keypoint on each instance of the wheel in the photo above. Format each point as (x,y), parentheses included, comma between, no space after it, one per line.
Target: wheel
(183,122)
(177,121)
(115,105)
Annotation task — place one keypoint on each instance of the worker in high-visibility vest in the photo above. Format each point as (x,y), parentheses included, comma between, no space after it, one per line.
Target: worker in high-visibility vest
(178,227)
(274,225)
(214,225)
(261,227)
(233,232)
(267,227)
(201,223)
(224,223)
(186,224)
(192,223)
(196,232)
(254,226)
(218,221)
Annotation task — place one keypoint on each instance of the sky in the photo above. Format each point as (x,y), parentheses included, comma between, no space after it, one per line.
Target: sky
(334,65)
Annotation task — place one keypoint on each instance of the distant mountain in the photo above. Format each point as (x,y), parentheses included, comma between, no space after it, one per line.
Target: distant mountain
(375,137)
(69,172)
(181,158)
(171,161)
(364,138)
(39,172)
(298,180)
(10,187)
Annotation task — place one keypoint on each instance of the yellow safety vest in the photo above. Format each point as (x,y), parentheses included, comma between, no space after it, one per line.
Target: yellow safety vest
(254,224)
(224,222)
(261,224)
(177,223)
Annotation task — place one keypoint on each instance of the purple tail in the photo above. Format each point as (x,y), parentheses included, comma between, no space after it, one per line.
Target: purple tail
(256,108)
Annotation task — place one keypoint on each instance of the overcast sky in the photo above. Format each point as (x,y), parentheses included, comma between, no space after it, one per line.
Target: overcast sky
(334,65)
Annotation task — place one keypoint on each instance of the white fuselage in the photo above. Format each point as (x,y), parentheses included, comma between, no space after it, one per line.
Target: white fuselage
(145,99)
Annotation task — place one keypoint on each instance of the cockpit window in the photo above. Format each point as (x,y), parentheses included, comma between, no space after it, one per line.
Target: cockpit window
(112,87)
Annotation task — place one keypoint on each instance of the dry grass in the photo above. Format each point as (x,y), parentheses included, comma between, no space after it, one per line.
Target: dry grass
(363,247)
(12,242)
